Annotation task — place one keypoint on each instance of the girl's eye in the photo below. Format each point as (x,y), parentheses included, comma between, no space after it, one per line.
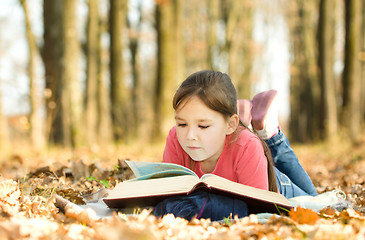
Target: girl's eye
(181,125)
(203,126)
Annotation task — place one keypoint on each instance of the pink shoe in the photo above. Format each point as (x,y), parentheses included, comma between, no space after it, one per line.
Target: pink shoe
(265,114)
(244,111)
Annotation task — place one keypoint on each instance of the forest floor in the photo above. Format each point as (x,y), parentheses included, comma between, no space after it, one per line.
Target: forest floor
(29,182)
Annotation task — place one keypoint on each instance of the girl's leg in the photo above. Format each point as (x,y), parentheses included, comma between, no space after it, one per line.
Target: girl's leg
(265,121)
(287,162)
(286,187)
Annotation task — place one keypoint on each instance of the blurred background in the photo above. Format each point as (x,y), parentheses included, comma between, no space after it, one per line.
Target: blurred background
(94,73)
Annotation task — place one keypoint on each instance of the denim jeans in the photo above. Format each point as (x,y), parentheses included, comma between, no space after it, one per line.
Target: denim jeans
(291,178)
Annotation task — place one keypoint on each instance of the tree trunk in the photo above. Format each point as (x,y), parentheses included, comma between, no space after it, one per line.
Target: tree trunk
(328,107)
(242,50)
(36,121)
(362,57)
(4,137)
(92,53)
(166,78)
(199,30)
(351,112)
(51,55)
(231,18)
(237,48)
(179,72)
(134,36)
(118,92)
(71,98)
(105,134)
(304,87)
(213,15)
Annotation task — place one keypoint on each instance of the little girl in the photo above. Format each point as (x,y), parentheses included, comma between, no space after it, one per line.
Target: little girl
(210,137)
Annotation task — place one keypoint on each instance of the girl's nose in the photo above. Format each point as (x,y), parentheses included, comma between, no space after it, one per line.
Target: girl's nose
(191,134)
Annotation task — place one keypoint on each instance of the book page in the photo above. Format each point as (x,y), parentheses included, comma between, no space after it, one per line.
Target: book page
(154,187)
(147,170)
(162,174)
(220,183)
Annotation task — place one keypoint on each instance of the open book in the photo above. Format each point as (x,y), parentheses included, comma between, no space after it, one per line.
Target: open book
(157,181)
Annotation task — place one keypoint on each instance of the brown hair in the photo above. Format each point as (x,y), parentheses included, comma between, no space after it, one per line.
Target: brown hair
(217,92)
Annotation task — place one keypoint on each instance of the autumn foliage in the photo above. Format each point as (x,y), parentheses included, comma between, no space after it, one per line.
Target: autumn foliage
(31,184)
(37,218)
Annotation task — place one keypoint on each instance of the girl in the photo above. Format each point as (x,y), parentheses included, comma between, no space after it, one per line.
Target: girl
(209,137)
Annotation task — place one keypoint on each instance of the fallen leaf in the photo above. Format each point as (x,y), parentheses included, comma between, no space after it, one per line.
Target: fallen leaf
(9,197)
(303,215)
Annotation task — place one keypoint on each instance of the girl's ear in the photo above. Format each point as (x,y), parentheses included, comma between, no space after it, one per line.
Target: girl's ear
(232,124)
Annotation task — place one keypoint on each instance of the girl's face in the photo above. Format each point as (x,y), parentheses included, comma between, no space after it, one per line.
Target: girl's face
(202,131)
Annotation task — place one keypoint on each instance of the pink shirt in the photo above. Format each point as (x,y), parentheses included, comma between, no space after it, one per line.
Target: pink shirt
(242,161)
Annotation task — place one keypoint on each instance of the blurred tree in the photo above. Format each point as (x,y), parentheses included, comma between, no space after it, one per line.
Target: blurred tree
(246,51)
(351,112)
(169,67)
(92,58)
(328,105)
(229,40)
(231,12)
(362,58)
(120,111)
(179,73)
(71,98)
(4,128)
(4,137)
(304,87)
(51,55)
(35,118)
(199,30)
(239,43)
(104,123)
(134,35)
(213,16)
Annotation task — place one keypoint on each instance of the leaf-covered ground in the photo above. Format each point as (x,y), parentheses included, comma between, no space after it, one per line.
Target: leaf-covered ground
(30,182)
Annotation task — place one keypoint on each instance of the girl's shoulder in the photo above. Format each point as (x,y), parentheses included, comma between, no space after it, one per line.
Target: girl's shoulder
(245,137)
(171,139)
(172,133)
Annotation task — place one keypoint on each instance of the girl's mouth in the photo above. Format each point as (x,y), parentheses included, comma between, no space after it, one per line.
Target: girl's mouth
(193,148)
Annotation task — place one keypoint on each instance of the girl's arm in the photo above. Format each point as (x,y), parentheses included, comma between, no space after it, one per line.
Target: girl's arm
(251,165)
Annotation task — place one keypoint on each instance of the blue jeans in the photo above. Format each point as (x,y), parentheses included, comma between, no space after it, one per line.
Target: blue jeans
(291,178)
